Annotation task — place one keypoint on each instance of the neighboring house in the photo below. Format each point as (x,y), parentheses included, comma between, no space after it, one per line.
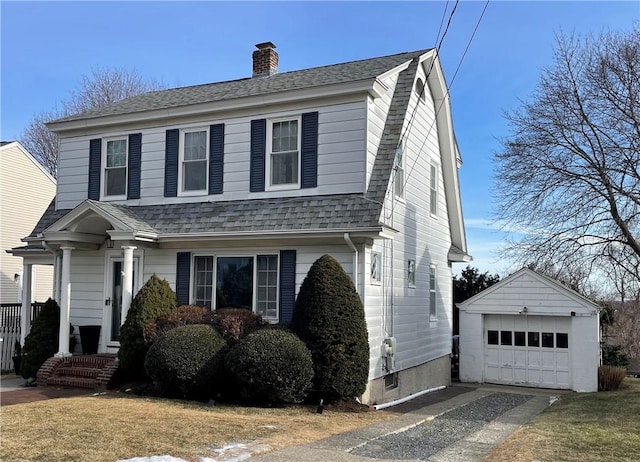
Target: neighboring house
(232,190)
(26,190)
(530,330)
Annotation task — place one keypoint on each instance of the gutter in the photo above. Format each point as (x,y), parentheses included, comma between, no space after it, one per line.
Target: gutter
(347,239)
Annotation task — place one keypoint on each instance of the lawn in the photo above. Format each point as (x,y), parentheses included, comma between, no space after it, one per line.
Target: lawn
(580,427)
(111,427)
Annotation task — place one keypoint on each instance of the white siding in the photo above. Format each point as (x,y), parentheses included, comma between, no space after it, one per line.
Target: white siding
(341,157)
(25,193)
(423,238)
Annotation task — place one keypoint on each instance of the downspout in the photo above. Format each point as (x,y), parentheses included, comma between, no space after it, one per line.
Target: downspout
(347,239)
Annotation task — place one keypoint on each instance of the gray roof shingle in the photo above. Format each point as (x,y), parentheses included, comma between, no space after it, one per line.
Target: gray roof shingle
(353,71)
(335,212)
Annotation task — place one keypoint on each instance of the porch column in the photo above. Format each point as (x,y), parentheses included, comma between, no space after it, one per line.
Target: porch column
(127,281)
(65,302)
(25,310)
(57,260)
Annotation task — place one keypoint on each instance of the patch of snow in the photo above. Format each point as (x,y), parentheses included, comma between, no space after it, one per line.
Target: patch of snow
(552,399)
(154,459)
(235,452)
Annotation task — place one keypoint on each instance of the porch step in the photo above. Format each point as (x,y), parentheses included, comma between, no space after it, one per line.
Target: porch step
(75,382)
(81,371)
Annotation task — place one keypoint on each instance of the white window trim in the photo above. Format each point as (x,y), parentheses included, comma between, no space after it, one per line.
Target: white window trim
(269,152)
(103,169)
(433,313)
(254,300)
(376,281)
(433,165)
(400,197)
(411,284)
(199,192)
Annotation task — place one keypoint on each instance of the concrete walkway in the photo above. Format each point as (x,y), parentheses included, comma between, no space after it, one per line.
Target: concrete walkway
(472,447)
(14,391)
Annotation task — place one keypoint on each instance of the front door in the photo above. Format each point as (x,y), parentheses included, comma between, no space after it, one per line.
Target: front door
(113,300)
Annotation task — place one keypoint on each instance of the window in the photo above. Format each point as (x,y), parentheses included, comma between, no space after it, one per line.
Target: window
(203,284)
(194,161)
(547,340)
(375,268)
(519,338)
(562,340)
(284,137)
(236,283)
(115,169)
(420,90)
(411,273)
(433,194)
(492,337)
(533,339)
(505,337)
(433,304)
(391,381)
(398,165)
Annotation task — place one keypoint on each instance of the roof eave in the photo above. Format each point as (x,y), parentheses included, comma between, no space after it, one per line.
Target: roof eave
(372,86)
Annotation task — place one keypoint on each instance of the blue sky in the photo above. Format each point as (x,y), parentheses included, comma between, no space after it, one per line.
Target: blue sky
(46,47)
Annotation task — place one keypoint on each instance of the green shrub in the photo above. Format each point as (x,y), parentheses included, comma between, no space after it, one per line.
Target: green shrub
(610,377)
(155,299)
(236,323)
(42,341)
(612,355)
(329,318)
(271,366)
(187,361)
(182,316)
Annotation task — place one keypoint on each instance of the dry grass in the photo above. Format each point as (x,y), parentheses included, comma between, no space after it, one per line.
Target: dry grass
(610,377)
(603,427)
(108,428)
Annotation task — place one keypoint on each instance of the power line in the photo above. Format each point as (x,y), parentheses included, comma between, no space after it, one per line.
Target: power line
(448,87)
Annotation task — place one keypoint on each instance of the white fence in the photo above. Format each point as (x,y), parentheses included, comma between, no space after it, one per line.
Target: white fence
(10,331)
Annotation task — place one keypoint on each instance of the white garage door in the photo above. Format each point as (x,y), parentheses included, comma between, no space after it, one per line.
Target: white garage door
(527,350)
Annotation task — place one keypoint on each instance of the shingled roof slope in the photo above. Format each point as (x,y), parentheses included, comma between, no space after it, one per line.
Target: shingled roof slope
(339,212)
(366,69)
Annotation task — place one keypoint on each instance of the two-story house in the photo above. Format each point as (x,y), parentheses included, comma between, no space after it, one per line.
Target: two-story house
(232,190)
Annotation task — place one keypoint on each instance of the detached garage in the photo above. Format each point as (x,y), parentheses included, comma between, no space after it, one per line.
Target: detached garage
(532,331)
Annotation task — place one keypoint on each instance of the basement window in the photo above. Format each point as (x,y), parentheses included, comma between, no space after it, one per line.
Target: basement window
(391,381)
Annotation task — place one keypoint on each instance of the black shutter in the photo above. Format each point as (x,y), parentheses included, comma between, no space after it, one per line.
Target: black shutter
(310,150)
(287,285)
(171,163)
(135,161)
(183,268)
(258,153)
(95,164)
(216,158)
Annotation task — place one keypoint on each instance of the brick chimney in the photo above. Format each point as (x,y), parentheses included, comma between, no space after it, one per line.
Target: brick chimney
(265,60)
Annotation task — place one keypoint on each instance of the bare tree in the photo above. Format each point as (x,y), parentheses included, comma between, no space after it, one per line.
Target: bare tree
(102,87)
(568,181)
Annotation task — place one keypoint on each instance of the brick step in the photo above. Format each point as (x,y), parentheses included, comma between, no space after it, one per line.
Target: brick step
(76,382)
(97,361)
(77,371)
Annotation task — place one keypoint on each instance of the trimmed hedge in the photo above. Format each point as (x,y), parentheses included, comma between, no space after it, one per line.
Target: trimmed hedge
(42,341)
(187,361)
(153,300)
(235,324)
(184,315)
(272,366)
(329,318)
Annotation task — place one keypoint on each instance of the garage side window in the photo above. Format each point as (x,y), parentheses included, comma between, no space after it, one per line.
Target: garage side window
(562,340)
(505,337)
(547,340)
(492,337)
(519,338)
(533,339)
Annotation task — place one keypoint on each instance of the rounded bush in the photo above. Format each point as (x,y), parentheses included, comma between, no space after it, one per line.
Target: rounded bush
(236,323)
(271,366)
(42,341)
(186,361)
(153,300)
(184,315)
(329,318)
